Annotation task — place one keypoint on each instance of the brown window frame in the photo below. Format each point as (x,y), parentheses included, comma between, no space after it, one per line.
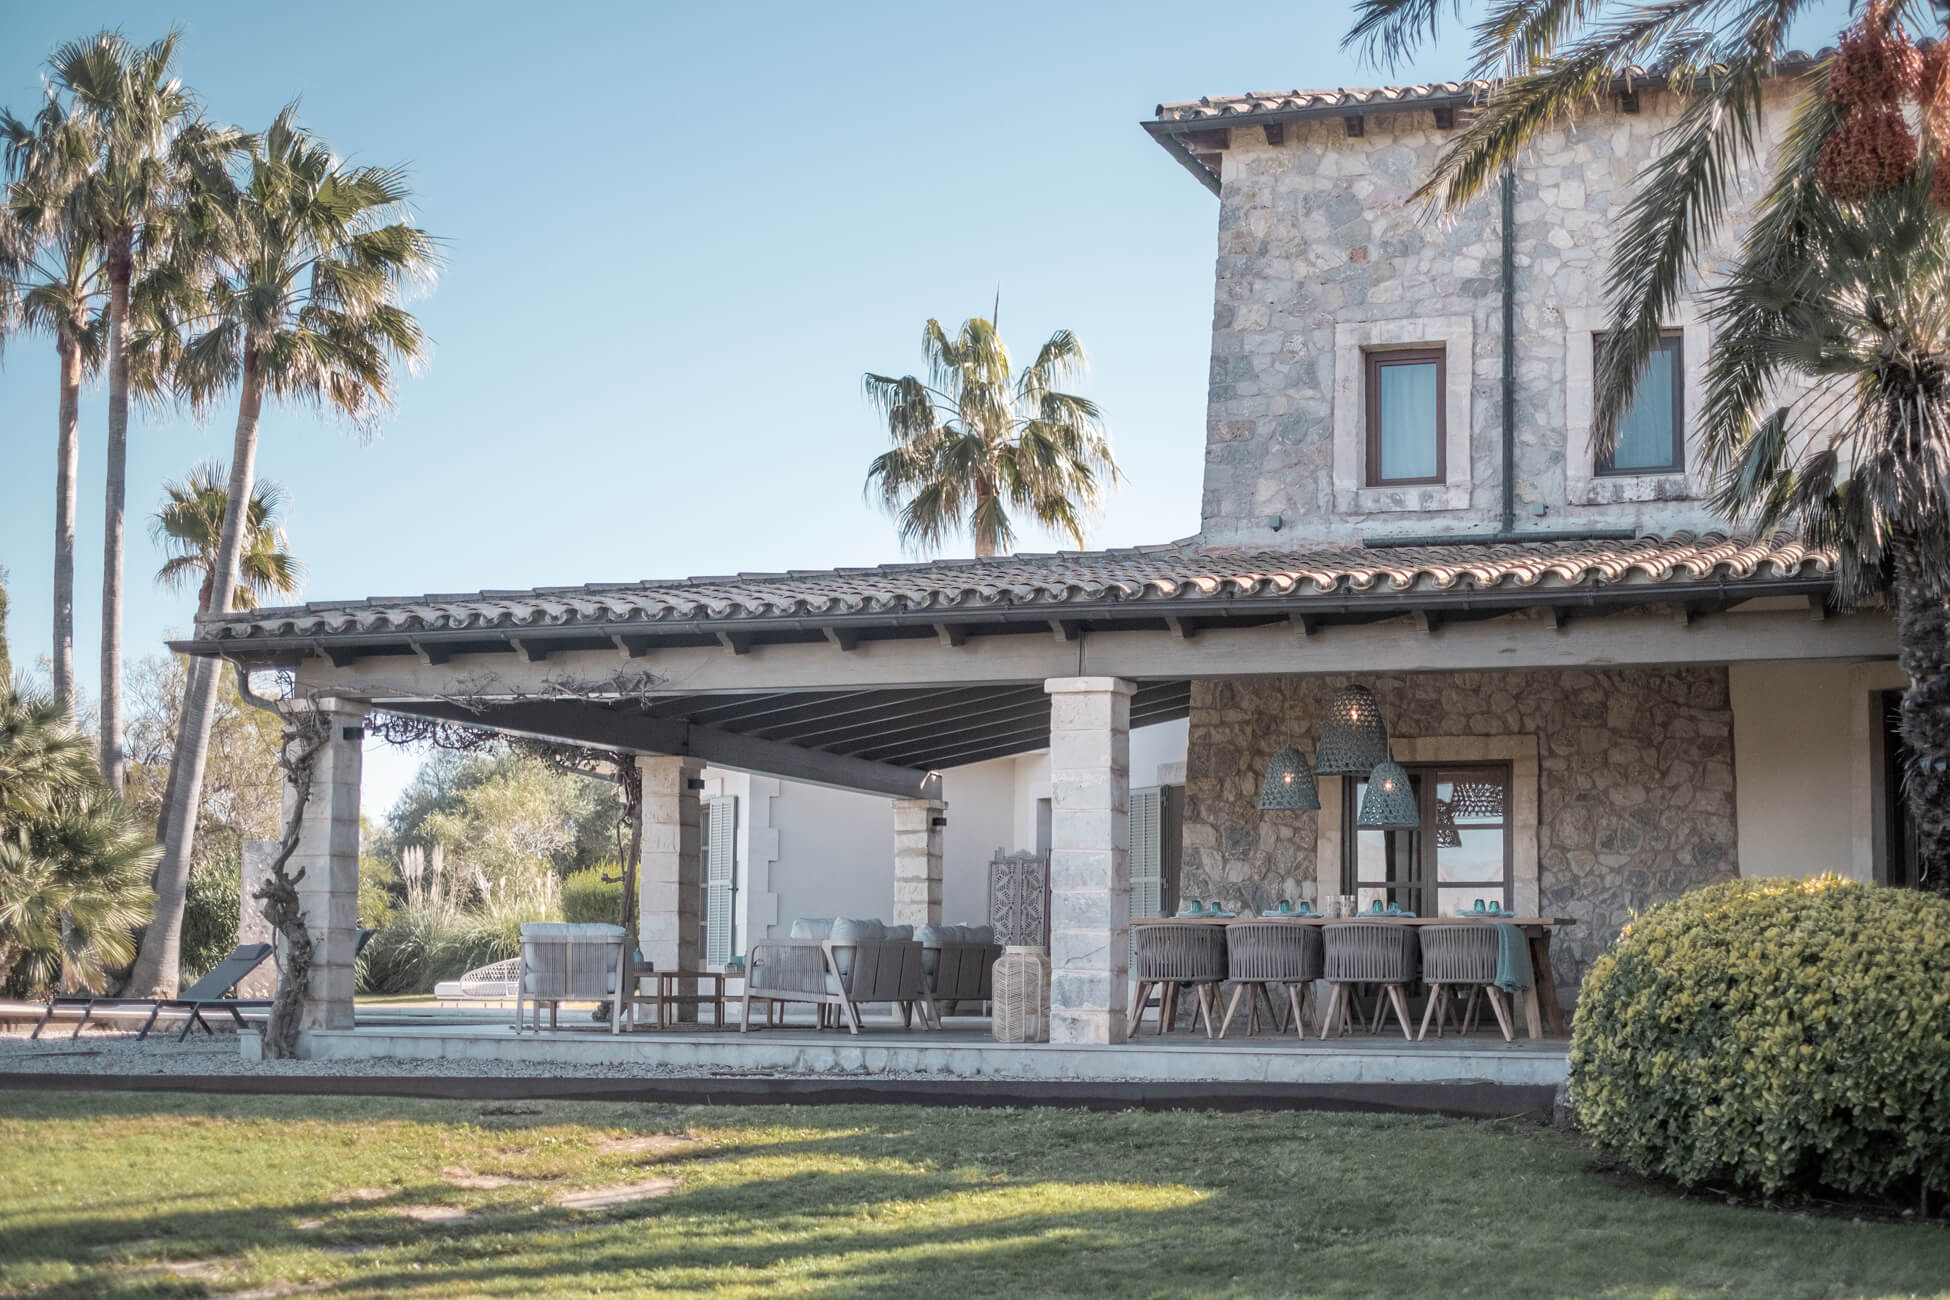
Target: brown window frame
(1673,341)
(1375,360)
(1420,889)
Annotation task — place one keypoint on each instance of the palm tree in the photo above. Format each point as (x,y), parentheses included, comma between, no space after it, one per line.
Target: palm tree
(152,139)
(1550,60)
(189,527)
(1854,318)
(74,867)
(1841,289)
(316,256)
(52,282)
(971,442)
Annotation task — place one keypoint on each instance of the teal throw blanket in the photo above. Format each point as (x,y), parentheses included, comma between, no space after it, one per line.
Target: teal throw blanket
(1512,958)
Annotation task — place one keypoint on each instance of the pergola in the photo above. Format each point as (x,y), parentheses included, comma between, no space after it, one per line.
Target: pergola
(877,680)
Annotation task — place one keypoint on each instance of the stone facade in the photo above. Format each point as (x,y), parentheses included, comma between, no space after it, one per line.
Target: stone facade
(1323,254)
(1635,784)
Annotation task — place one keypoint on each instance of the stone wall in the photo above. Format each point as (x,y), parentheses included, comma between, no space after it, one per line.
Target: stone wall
(1322,250)
(1635,783)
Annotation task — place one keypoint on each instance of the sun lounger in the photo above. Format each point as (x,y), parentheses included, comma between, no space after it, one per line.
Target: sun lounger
(208,994)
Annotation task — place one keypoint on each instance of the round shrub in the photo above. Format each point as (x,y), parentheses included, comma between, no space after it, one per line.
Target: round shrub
(1774,1035)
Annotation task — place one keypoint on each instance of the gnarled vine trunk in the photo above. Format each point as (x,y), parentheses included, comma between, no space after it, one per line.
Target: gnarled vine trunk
(305,735)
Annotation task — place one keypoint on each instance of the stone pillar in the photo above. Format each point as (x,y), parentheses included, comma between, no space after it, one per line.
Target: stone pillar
(251,925)
(670,885)
(328,853)
(1089,869)
(917,861)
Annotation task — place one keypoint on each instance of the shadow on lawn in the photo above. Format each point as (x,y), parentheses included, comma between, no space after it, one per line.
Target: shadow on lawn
(1012,1202)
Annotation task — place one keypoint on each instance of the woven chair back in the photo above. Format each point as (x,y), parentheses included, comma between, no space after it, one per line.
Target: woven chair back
(1181,952)
(1459,954)
(1370,952)
(1273,950)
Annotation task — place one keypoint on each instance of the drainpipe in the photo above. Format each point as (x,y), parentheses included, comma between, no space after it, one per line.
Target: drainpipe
(1509,350)
(1507,525)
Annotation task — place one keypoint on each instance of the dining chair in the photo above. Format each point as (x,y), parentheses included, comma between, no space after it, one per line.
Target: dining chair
(1368,952)
(1171,955)
(1456,957)
(1262,956)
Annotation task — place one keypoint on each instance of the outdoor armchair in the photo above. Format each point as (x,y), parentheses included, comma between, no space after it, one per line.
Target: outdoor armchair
(838,975)
(570,961)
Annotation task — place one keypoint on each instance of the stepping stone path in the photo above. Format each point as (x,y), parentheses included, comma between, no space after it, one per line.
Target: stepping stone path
(603,1198)
(434,1213)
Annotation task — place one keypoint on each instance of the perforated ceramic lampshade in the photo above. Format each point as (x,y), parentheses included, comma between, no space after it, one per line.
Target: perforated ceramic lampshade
(1354,738)
(1289,784)
(1390,800)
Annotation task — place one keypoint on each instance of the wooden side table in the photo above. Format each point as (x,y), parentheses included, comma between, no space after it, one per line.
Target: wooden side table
(671,997)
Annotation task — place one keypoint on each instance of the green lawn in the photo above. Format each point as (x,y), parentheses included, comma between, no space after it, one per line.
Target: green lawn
(170,1194)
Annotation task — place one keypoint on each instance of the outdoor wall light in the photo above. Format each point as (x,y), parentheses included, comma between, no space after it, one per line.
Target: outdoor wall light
(1390,801)
(1289,785)
(1355,739)
(937,821)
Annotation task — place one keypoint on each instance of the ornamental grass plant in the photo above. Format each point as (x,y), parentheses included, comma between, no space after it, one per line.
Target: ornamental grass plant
(1775,1036)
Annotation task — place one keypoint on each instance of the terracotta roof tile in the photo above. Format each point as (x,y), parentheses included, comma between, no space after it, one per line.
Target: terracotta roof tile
(1179,571)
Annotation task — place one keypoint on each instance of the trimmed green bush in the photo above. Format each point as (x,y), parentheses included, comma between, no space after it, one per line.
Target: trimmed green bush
(587,897)
(1774,1035)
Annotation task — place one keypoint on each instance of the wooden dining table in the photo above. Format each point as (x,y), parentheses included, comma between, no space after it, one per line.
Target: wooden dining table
(1541,1011)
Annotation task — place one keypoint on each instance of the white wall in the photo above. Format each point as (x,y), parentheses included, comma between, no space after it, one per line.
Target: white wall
(805,850)
(1794,743)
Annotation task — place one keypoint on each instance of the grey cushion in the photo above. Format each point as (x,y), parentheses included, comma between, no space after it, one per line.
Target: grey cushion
(931,933)
(560,930)
(847,929)
(980,933)
(902,932)
(815,927)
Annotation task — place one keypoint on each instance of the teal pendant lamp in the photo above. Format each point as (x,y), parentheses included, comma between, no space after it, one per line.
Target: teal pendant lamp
(1354,738)
(1289,785)
(1390,800)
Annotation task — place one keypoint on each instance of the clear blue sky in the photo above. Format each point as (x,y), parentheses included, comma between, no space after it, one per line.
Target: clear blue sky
(675,237)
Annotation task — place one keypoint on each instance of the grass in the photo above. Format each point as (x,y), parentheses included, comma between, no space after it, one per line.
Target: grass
(125,1194)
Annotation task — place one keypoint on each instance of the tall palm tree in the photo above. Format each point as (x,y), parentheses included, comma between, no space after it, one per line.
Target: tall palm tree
(152,139)
(188,528)
(972,441)
(53,282)
(1840,294)
(1548,60)
(315,258)
(1853,317)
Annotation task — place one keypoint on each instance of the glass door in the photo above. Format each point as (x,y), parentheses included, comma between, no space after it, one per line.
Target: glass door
(1458,853)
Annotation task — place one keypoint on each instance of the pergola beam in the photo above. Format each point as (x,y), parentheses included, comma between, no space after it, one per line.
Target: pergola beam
(585,722)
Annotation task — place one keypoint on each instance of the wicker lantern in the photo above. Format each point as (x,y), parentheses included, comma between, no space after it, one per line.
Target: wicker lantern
(1020,985)
(1390,800)
(1289,784)
(1354,739)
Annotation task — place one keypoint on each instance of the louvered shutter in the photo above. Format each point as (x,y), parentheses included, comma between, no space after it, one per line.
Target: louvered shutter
(1147,855)
(720,879)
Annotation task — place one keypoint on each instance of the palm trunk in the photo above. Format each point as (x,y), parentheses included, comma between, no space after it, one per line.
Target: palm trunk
(984,539)
(116,501)
(67,459)
(1923,646)
(156,964)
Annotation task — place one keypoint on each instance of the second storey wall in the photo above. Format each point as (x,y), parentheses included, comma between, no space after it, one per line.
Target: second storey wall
(1323,257)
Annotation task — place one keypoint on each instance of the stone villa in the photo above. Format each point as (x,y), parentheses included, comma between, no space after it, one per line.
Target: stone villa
(1620,699)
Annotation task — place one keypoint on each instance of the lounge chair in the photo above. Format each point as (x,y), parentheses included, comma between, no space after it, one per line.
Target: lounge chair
(208,994)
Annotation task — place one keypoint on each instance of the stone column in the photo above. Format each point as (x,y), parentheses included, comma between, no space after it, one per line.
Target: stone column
(917,861)
(670,884)
(328,853)
(251,925)
(1089,869)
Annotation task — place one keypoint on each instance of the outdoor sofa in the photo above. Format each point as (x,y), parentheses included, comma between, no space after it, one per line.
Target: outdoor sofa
(837,966)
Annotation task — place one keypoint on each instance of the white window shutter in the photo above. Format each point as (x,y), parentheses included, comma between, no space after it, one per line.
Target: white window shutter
(720,879)
(1147,815)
